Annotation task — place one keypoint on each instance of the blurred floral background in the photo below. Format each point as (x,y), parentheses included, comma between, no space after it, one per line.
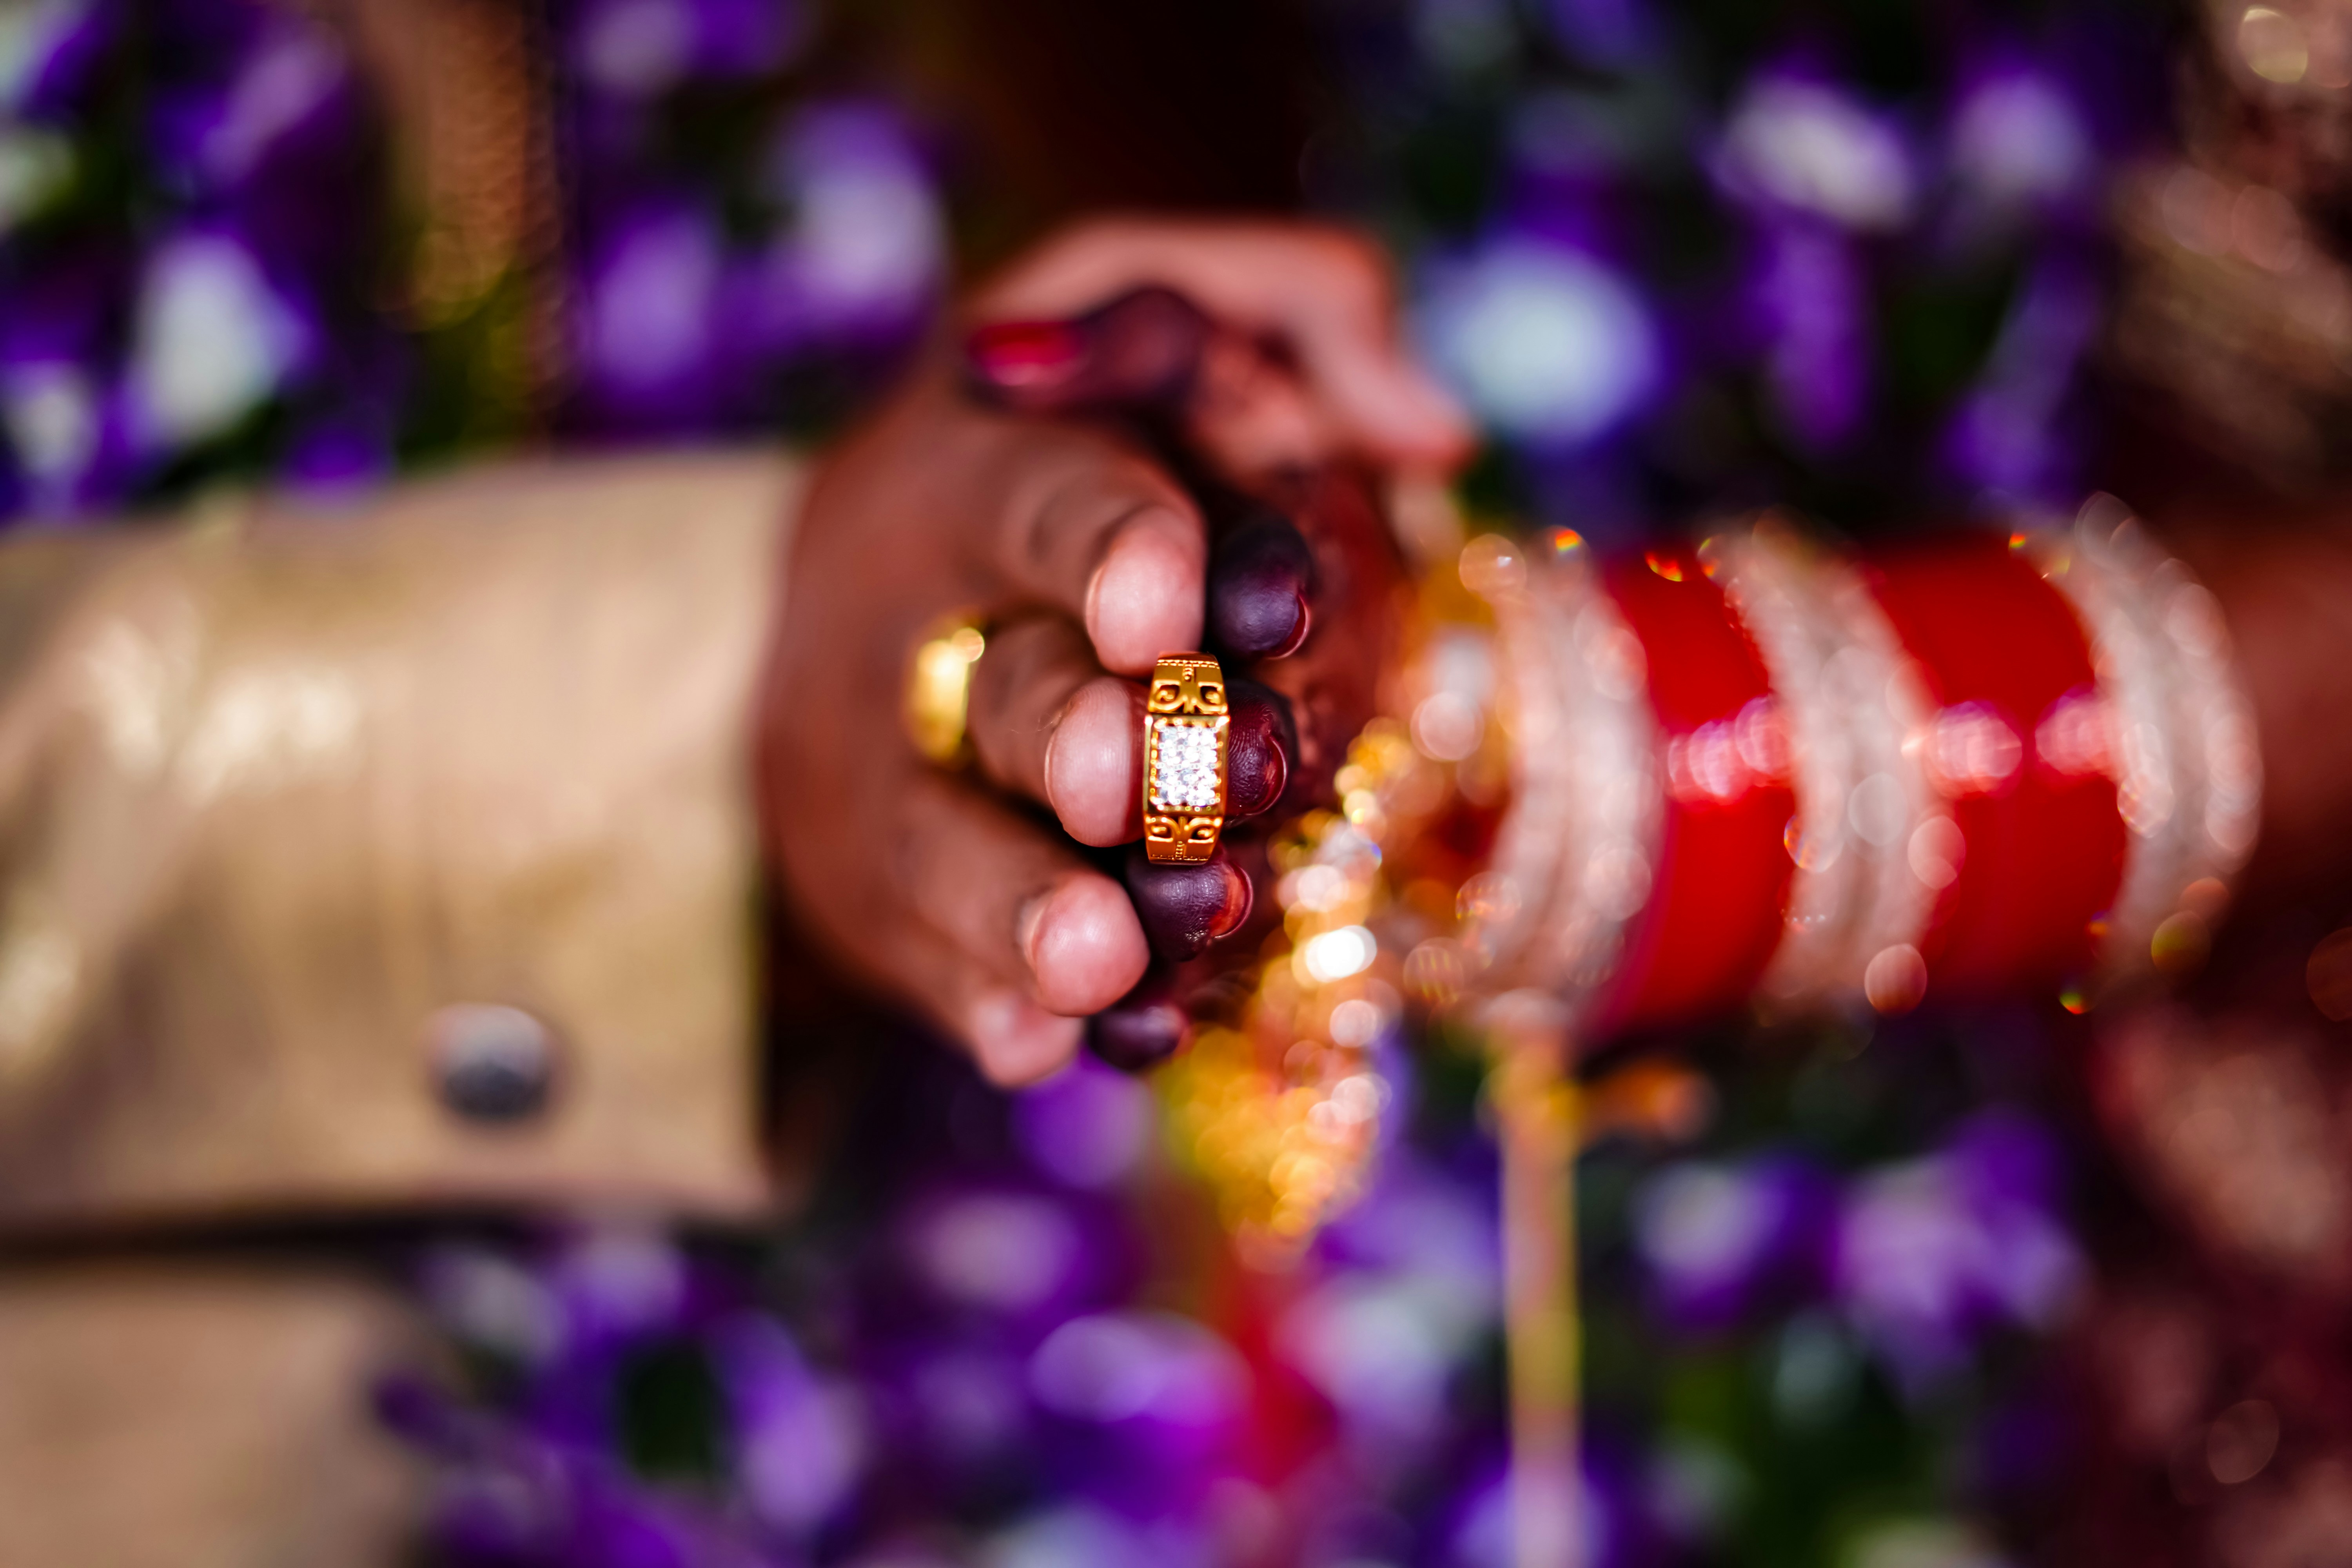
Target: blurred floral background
(1965,1289)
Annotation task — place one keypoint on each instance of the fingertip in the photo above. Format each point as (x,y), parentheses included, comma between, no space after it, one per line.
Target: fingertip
(1142,1029)
(1432,425)
(1258,589)
(1259,620)
(1397,410)
(1144,599)
(1092,778)
(1259,744)
(1015,1042)
(1085,947)
(1184,908)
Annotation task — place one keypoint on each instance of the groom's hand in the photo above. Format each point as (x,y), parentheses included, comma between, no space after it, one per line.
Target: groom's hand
(1089,560)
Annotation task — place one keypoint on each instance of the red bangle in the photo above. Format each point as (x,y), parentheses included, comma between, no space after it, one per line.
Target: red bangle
(2032,853)
(1720,891)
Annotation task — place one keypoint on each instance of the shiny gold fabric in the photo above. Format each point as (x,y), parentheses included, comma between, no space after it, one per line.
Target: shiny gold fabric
(275,789)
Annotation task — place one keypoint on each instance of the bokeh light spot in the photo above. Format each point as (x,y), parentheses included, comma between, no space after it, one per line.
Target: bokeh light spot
(2239,1442)
(1896,979)
(2328,975)
(2272,45)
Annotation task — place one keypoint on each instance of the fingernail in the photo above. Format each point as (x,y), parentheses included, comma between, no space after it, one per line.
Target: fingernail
(1028,920)
(1258,744)
(1015,1041)
(1139,604)
(1025,360)
(1184,908)
(1259,583)
(1141,352)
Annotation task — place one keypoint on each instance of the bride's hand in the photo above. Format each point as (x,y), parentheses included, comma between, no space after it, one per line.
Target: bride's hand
(1089,561)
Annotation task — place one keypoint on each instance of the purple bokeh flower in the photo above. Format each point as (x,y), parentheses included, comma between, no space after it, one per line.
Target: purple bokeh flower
(1814,168)
(225,310)
(650,330)
(1607,1522)
(214,135)
(1545,343)
(338,456)
(1797,146)
(494,1301)
(1412,1291)
(1004,1253)
(2018,142)
(2008,435)
(1109,1368)
(507,1497)
(1605,32)
(617,1284)
(61,404)
(865,254)
(1076,1533)
(1932,1252)
(215,337)
(1812,309)
(964,1406)
(1145,1409)
(47,50)
(1385,1351)
(67,433)
(635,49)
(682,326)
(1089,1126)
(1717,1238)
(800,1440)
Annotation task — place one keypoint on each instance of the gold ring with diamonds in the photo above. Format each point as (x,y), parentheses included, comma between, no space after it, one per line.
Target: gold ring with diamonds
(1185,721)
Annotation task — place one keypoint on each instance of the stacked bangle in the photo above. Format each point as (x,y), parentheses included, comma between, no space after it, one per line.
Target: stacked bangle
(1757,768)
(1723,868)
(1868,820)
(2181,732)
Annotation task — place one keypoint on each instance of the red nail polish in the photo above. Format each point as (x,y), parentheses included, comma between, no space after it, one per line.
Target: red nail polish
(1241,897)
(1025,356)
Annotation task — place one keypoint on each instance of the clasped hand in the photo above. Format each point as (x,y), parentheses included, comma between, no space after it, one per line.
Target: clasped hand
(1088,559)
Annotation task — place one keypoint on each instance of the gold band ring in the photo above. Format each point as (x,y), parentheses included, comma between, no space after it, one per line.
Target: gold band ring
(938,689)
(1185,725)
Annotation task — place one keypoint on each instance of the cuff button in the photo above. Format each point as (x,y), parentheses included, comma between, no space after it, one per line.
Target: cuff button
(492,1065)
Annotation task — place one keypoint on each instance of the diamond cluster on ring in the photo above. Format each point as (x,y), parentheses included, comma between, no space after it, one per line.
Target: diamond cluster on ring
(1186,777)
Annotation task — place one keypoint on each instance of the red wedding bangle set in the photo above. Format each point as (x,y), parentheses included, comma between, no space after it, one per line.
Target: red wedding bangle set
(1755,768)
(1619,797)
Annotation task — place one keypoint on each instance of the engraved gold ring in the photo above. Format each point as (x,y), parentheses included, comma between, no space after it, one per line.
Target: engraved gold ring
(1185,729)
